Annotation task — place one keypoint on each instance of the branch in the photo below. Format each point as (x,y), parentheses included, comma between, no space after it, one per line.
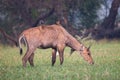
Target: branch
(8,37)
(43,17)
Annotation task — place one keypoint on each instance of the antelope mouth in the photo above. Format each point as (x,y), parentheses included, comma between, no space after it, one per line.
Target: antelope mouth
(91,63)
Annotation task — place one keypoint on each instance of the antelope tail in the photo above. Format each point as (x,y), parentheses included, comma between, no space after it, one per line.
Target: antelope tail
(20,38)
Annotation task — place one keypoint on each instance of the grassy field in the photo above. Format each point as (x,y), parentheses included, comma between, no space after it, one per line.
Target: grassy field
(106,55)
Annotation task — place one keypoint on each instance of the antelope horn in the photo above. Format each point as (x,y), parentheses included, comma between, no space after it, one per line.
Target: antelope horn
(89,46)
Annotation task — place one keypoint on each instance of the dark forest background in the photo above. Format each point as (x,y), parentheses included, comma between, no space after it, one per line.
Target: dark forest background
(95,19)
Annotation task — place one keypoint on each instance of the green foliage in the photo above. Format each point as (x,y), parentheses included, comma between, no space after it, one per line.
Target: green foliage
(28,11)
(88,12)
(106,67)
(85,11)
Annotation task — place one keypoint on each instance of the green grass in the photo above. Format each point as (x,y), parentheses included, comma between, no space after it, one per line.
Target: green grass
(105,54)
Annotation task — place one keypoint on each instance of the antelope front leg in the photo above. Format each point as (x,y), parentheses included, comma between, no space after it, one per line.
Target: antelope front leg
(61,53)
(61,58)
(53,56)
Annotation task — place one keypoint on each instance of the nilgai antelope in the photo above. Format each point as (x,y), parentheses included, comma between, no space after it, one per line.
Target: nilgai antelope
(51,36)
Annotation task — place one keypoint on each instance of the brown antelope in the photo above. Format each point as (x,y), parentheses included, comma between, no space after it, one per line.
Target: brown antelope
(51,36)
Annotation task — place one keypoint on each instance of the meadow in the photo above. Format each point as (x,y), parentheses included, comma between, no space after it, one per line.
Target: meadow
(106,55)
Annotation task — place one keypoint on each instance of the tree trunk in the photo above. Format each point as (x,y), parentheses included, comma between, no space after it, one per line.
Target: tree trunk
(106,29)
(109,21)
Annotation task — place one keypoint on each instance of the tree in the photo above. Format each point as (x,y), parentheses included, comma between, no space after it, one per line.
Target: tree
(83,12)
(109,21)
(29,13)
(106,28)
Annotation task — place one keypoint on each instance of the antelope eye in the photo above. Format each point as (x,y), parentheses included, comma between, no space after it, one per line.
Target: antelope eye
(88,53)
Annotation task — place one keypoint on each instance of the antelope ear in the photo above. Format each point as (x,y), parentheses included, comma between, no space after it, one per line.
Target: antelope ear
(72,50)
